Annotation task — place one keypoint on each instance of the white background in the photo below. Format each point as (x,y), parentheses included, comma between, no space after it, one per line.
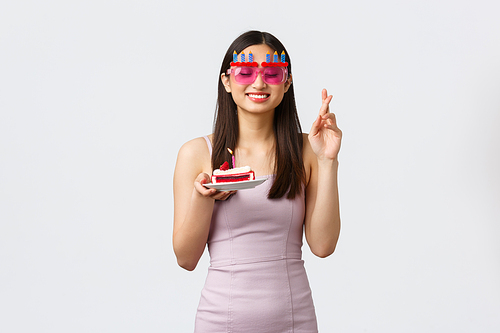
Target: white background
(96,97)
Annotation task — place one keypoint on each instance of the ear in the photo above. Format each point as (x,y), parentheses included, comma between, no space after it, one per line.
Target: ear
(225,82)
(288,82)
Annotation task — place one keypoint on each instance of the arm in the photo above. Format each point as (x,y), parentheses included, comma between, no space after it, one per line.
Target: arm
(193,203)
(322,221)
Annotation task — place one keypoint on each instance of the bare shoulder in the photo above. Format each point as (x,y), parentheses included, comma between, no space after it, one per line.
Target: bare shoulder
(194,154)
(307,145)
(308,156)
(195,147)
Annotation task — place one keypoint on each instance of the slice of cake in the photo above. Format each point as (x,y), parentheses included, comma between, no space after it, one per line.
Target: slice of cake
(226,175)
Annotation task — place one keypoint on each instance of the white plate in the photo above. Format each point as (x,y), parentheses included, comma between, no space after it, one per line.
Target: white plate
(236,185)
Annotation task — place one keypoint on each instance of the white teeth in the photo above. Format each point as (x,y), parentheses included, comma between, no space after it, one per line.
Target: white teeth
(258,96)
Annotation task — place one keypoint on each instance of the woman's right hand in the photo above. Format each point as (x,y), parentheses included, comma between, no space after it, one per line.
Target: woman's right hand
(212,193)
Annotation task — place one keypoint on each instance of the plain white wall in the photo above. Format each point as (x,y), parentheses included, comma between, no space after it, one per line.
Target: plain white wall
(96,97)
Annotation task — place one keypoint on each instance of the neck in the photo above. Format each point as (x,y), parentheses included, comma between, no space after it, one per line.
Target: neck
(255,129)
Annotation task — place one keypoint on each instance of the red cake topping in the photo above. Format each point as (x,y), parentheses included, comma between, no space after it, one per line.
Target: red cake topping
(224,166)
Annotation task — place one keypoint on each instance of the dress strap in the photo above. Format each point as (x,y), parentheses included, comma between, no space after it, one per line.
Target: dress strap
(209,144)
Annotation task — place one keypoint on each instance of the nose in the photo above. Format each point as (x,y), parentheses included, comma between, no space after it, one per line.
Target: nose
(259,82)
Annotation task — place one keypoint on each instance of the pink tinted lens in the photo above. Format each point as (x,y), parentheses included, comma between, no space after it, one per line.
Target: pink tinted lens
(245,75)
(270,75)
(274,75)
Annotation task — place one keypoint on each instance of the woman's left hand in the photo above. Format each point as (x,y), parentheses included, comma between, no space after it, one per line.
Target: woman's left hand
(325,136)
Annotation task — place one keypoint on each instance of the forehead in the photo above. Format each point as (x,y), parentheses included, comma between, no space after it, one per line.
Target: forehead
(259,52)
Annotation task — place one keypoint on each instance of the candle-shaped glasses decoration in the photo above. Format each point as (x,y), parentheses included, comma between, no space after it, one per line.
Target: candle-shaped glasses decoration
(276,62)
(251,60)
(232,157)
(242,62)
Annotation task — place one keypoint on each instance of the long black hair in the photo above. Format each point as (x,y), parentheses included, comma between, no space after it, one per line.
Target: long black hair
(288,166)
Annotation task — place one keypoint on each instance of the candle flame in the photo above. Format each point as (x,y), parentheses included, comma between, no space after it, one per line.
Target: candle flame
(230,151)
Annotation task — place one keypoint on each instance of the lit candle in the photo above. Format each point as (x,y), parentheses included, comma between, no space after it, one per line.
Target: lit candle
(232,157)
(235,56)
(242,57)
(283,56)
(268,57)
(250,57)
(275,56)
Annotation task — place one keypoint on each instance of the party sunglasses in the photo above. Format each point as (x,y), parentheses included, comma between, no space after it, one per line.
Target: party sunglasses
(248,75)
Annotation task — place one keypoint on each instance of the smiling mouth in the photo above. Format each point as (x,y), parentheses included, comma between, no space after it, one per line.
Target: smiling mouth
(258,96)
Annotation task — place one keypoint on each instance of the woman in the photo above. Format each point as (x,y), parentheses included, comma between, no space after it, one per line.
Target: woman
(256,281)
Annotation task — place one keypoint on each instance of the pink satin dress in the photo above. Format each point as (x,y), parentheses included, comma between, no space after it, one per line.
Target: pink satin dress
(256,281)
